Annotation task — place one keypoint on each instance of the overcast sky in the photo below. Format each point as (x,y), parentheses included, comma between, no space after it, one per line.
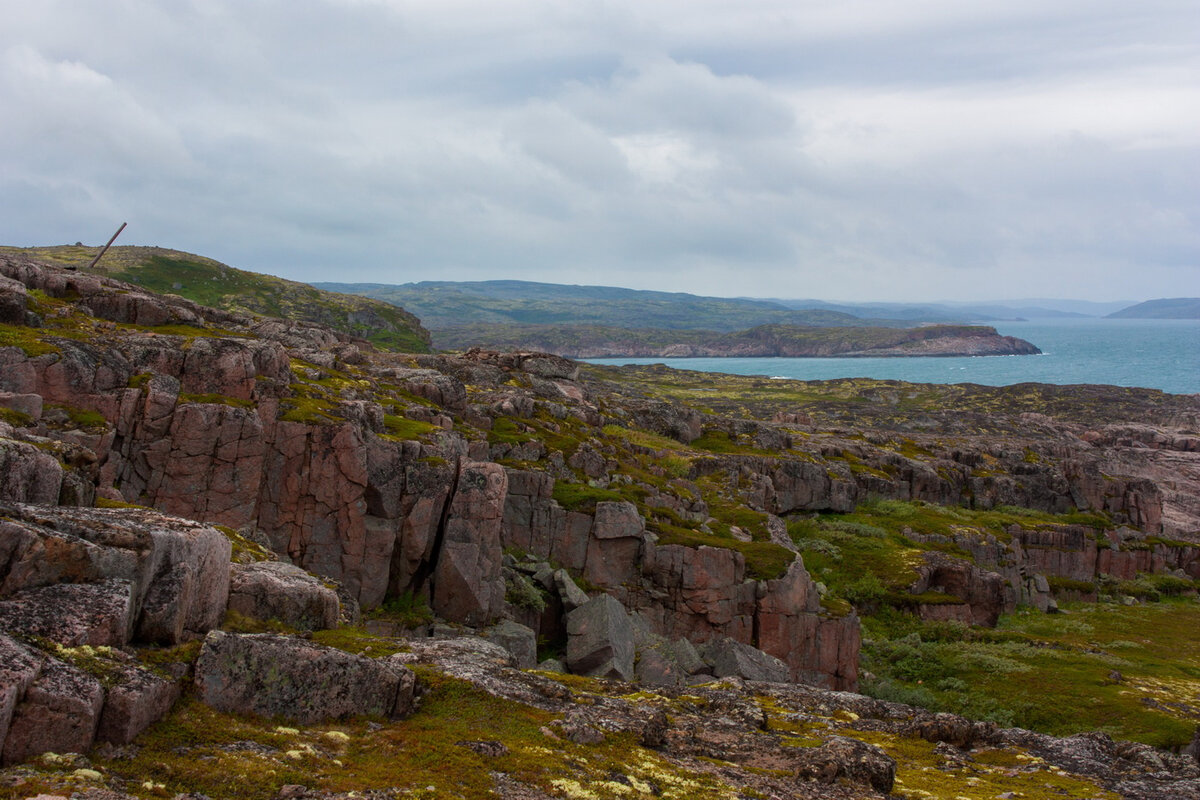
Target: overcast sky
(857,149)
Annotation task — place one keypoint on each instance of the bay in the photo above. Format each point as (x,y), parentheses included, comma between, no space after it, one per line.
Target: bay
(1155,354)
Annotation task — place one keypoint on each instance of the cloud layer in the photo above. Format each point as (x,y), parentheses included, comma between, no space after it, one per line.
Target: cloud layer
(860,150)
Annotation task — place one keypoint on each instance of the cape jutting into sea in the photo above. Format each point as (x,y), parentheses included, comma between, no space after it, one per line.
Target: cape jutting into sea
(1157,354)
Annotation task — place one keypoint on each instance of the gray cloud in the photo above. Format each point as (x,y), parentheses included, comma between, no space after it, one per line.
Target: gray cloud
(866,149)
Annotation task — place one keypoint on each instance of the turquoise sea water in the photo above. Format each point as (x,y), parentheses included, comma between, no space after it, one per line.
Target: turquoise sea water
(1157,354)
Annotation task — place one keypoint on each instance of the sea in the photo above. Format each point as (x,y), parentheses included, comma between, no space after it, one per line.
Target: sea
(1155,354)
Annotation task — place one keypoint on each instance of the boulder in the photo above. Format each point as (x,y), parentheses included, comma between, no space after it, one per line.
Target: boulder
(273,675)
(276,590)
(517,639)
(19,667)
(28,404)
(842,757)
(28,475)
(72,614)
(177,570)
(138,699)
(59,713)
(569,593)
(729,658)
(600,640)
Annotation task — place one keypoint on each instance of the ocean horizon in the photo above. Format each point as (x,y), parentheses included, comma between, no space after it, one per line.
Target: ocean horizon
(1153,354)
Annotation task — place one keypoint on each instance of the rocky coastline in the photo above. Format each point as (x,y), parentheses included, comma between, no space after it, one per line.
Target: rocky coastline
(765,341)
(203,509)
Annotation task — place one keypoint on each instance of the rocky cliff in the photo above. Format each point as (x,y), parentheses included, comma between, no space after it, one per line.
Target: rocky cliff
(633,527)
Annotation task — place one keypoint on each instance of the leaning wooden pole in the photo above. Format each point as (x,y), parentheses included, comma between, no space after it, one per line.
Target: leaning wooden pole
(104,249)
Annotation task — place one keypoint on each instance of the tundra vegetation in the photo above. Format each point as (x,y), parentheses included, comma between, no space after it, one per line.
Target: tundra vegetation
(899,499)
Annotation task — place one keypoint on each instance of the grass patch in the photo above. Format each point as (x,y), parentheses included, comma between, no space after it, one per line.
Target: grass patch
(764,560)
(215,399)
(582,497)
(28,339)
(1050,672)
(403,428)
(18,419)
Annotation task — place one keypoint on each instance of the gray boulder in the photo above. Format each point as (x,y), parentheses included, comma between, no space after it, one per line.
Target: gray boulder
(28,475)
(600,640)
(272,675)
(276,590)
(569,593)
(517,639)
(729,658)
(850,759)
(59,712)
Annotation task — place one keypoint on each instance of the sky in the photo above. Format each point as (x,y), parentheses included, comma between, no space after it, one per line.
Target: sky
(887,150)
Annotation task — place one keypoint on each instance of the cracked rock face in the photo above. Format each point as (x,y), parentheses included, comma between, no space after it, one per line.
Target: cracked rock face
(176,571)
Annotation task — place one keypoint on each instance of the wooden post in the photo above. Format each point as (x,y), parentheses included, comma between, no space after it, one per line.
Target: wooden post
(104,249)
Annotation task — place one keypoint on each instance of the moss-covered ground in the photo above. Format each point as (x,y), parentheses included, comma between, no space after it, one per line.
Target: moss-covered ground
(1130,671)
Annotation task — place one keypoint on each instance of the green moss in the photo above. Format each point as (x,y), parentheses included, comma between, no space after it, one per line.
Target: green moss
(236,622)
(140,380)
(1049,672)
(582,497)
(764,560)
(29,340)
(82,417)
(506,430)
(1061,584)
(309,410)
(402,428)
(104,502)
(244,550)
(357,640)
(18,419)
(215,399)
(405,610)
(922,772)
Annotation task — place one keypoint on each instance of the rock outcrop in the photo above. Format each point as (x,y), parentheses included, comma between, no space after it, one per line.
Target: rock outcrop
(275,675)
(498,487)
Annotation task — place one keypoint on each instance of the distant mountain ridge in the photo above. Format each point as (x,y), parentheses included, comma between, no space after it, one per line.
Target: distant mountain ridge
(448,304)
(1164,308)
(452,304)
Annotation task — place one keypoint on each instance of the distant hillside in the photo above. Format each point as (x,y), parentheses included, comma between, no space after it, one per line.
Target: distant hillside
(1166,308)
(594,341)
(965,311)
(446,304)
(218,285)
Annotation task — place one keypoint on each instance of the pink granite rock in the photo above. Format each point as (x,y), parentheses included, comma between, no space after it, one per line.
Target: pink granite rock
(27,474)
(59,712)
(72,614)
(468,585)
(284,592)
(136,701)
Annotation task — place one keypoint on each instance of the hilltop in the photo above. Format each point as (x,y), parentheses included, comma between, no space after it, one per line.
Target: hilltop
(1165,308)
(218,285)
(446,304)
(247,556)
